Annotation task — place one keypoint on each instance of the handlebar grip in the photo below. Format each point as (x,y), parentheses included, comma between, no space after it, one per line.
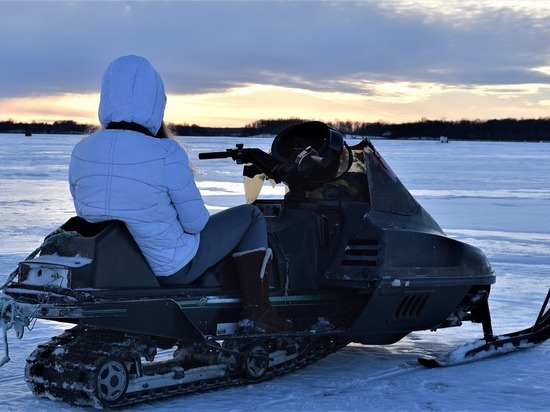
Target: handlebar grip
(214,155)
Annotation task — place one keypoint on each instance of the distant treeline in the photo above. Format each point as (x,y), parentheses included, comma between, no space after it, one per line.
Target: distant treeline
(60,127)
(501,129)
(497,129)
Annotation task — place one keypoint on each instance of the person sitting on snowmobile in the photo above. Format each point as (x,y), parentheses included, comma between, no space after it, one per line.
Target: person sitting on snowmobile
(131,170)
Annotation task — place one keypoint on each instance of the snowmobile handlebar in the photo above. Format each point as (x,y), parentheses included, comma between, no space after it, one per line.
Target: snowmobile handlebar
(262,162)
(215,155)
(237,154)
(258,161)
(241,155)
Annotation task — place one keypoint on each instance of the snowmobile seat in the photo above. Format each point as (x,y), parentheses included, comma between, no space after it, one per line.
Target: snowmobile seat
(117,261)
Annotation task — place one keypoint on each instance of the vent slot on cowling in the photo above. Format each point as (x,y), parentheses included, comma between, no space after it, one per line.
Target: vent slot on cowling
(361,252)
(411,305)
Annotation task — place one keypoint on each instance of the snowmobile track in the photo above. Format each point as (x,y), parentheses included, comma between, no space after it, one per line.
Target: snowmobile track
(67,368)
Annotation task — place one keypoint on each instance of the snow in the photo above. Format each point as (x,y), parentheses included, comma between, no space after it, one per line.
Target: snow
(493,195)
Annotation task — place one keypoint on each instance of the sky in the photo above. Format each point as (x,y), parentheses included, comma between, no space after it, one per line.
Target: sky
(230,63)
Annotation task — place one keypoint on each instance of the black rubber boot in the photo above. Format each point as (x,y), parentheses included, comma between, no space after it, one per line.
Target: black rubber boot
(257,314)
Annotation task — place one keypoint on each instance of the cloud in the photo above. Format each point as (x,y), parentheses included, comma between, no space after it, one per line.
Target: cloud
(392,51)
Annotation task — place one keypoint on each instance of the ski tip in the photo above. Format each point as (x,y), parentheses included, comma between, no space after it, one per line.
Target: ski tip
(429,362)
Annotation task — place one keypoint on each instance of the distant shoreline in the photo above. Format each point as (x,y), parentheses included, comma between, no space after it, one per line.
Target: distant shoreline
(534,130)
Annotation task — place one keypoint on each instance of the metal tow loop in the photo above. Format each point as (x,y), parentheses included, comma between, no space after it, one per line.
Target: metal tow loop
(10,317)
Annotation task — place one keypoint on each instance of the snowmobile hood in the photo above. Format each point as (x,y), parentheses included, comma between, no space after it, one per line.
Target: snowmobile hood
(132,91)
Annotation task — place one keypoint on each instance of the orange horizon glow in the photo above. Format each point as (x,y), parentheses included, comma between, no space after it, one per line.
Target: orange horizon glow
(392,102)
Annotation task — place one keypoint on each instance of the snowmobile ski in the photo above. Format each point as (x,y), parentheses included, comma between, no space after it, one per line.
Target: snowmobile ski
(496,345)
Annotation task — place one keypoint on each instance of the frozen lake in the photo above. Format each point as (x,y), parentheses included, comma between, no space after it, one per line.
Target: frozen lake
(493,195)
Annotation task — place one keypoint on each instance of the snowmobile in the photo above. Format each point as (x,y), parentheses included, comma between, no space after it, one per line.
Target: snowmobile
(356,259)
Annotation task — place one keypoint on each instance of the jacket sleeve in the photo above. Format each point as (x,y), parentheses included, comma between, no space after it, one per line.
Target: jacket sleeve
(183,191)
(72,183)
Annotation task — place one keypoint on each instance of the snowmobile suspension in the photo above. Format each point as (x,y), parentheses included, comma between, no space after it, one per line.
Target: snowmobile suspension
(482,314)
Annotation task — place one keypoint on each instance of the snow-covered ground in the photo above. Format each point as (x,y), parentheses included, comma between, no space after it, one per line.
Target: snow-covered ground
(493,195)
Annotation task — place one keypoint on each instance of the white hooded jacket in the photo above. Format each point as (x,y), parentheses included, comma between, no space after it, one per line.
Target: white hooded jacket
(141,180)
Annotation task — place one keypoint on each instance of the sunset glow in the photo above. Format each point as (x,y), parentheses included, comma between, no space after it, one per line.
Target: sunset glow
(389,102)
(81,108)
